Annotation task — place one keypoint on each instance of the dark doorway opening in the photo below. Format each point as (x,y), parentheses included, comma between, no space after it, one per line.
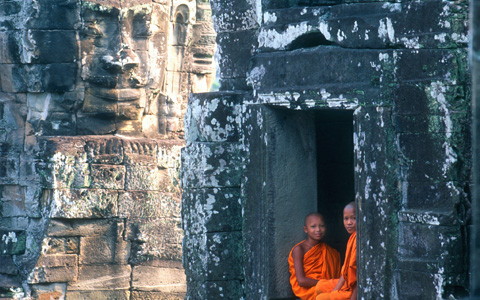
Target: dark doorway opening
(308,163)
(335,171)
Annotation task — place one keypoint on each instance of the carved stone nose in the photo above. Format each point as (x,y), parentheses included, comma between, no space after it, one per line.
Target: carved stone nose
(128,59)
(124,60)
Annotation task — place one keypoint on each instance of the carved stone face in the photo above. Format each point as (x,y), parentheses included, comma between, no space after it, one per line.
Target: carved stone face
(123,51)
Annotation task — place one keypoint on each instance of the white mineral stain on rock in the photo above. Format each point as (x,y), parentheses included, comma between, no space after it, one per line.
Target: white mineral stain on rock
(271,38)
(324,94)
(341,36)
(386,30)
(355,27)
(411,43)
(440,37)
(323,27)
(269,17)
(392,7)
(437,92)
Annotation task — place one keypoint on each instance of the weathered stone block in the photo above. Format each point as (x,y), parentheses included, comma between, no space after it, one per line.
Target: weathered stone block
(233,16)
(213,256)
(417,65)
(87,125)
(431,123)
(13,78)
(59,77)
(146,178)
(19,223)
(8,266)
(140,152)
(69,245)
(71,227)
(431,287)
(104,250)
(419,25)
(166,280)
(231,289)
(383,69)
(53,40)
(55,268)
(431,243)
(54,291)
(106,151)
(13,242)
(214,117)
(13,201)
(431,157)
(235,50)
(138,205)
(63,15)
(9,53)
(211,210)
(99,295)
(10,281)
(65,150)
(58,123)
(432,196)
(211,165)
(9,170)
(146,245)
(101,277)
(139,295)
(81,203)
(438,98)
(107,176)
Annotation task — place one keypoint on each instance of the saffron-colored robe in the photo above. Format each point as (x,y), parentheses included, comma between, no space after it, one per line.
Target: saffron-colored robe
(320,262)
(349,272)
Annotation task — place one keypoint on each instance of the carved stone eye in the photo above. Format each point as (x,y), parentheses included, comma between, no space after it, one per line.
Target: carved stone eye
(92,30)
(141,27)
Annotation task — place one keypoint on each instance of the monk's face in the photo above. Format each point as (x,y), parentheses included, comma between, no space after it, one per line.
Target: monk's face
(349,219)
(315,228)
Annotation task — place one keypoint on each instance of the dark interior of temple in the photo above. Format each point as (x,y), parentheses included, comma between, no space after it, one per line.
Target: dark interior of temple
(334,132)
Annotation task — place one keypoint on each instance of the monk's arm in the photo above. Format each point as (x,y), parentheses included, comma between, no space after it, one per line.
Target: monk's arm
(340,283)
(303,281)
(354,293)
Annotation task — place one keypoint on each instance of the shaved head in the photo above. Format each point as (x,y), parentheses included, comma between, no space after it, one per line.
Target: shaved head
(350,205)
(313,214)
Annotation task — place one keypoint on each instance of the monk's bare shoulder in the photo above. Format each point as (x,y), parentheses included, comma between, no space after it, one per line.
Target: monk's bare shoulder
(298,251)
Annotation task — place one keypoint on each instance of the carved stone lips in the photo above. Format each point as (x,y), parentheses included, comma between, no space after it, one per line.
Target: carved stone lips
(116,94)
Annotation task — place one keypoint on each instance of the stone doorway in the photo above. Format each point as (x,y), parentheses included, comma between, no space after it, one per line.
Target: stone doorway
(309,167)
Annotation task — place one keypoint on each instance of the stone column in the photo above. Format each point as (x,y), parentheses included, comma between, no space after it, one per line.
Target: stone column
(475,60)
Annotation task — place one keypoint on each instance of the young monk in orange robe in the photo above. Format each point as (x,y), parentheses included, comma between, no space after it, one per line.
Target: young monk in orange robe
(312,260)
(344,288)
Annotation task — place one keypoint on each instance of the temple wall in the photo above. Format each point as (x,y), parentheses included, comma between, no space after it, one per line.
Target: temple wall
(402,70)
(92,98)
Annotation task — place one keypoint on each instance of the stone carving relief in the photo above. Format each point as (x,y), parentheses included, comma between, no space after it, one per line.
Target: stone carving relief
(92,97)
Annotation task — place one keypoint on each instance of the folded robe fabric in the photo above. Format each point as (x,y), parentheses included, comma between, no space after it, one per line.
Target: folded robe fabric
(320,262)
(349,272)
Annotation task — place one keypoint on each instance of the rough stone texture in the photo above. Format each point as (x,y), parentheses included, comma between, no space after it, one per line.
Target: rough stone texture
(92,98)
(475,232)
(401,70)
(154,279)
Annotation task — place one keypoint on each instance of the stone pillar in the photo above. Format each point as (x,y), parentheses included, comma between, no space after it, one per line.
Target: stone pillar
(211,202)
(475,231)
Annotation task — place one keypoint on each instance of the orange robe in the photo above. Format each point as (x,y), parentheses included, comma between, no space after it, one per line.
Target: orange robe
(320,262)
(349,272)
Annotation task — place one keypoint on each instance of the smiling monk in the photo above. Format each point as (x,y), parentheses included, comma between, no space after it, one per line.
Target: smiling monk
(345,287)
(312,260)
